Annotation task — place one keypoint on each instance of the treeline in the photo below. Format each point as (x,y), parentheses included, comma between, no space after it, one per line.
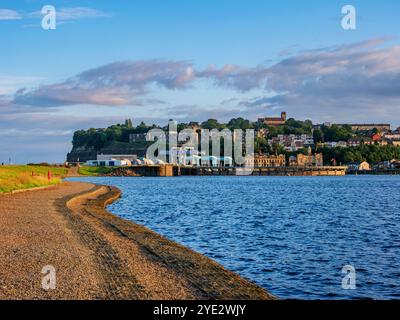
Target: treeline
(98,138)
(333,133)
(340,155)
(292,126)
(370,153)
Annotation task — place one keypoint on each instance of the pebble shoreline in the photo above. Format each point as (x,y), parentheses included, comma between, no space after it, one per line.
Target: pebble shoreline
(98,255)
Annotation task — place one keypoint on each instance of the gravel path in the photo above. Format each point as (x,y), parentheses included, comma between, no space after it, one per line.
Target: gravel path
(98,256)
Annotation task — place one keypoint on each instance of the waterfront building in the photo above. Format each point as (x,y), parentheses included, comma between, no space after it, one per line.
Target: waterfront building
(376,137)
(109,157)
(395,164)
(179,155)
(208,161)
(362,166)
(392,136)
(384,165)
(108,163)
(292,161)
(274,121)
(308,160)
(147,162)
(136,162)
(259,161)
(226,161)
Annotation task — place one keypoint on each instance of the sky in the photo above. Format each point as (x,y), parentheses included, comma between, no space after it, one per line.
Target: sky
(190,60)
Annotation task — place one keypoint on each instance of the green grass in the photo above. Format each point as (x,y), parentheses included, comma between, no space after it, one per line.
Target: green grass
(95,171)
(24,177)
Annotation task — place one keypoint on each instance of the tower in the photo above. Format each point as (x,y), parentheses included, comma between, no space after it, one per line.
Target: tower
(283,116)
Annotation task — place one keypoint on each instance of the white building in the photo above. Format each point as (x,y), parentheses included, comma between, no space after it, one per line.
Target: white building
(334,144)
(362,166)
(211,161)
(108,163)
(292,142)
(103,157)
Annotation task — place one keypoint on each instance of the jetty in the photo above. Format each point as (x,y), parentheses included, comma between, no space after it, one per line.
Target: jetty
(171,170)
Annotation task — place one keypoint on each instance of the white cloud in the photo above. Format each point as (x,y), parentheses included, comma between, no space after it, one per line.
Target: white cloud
(6,14)
(80,13)
(73,13)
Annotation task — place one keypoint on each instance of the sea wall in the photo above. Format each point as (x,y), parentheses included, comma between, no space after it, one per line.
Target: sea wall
(170,170)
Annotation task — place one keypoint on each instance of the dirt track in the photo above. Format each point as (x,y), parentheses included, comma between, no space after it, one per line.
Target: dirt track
(97,255)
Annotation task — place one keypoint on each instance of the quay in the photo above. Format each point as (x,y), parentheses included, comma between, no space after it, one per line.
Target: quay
(375,172)
(170,170)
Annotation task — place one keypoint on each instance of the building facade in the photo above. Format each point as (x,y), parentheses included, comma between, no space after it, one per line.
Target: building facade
(108,163)
(368,126)
(292,142)
(274,121)
(309,160)
(259,161)
(105,157)
(362,166)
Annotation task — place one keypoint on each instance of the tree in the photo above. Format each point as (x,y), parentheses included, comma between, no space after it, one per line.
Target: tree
(212,124)
(239,123)
(336,133)
(142,128)
(79,139)
(318,135)
(261,146)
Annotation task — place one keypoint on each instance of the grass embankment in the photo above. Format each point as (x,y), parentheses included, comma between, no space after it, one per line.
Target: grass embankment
(24,177)
(95,171)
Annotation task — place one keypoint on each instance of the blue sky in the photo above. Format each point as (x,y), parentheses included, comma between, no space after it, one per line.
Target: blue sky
(189,60)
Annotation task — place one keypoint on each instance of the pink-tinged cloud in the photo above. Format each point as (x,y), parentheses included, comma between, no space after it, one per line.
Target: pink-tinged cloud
(341,78)
(114,84)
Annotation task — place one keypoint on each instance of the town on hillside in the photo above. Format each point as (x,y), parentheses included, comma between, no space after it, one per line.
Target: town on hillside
(279,142)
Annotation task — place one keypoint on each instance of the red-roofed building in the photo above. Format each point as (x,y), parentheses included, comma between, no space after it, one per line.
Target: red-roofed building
(376,137)
(274,121)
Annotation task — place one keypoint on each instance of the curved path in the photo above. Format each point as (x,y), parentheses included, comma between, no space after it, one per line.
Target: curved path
(97,255)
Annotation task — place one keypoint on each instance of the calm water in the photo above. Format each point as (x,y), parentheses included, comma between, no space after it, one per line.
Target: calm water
(291,235)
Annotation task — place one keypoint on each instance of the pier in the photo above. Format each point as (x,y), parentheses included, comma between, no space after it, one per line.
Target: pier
(170,170)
